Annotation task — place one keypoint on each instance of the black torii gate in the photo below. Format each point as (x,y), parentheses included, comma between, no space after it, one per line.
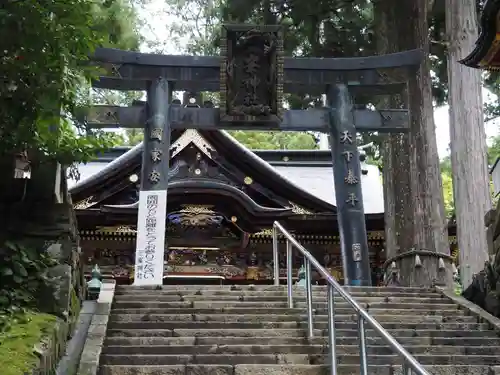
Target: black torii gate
(251,76)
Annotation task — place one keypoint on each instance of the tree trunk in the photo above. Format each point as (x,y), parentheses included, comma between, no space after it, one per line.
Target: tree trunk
(398,210)
(467,140)
(431,231)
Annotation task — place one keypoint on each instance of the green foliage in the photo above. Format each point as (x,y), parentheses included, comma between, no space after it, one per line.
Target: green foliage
(43,67)
(439,62)
(446,175)
(23,272)
(492,83)
(258,140)
(198,28)
(255,140)
(332,28)
(447,179)
(17,346)
(494,150)
(133,137)
(449,203)
(199,24)
(118,22)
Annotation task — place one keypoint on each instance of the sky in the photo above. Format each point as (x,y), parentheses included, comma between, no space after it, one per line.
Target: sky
(156,30)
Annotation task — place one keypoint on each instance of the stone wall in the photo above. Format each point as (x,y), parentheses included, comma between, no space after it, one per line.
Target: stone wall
(51,227)
(38,214)
(51,349)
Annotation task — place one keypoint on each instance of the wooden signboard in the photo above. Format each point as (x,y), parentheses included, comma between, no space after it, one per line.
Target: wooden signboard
(251,75)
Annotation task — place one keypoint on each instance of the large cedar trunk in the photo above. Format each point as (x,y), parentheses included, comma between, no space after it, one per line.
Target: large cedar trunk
(414,200)
(430,229)
(394,149)
(467,139)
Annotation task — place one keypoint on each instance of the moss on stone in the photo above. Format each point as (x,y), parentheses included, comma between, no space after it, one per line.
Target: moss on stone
(17,346)
(75,304)
(74,310)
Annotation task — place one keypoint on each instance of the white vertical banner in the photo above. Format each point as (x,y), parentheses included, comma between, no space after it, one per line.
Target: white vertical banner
(150,242)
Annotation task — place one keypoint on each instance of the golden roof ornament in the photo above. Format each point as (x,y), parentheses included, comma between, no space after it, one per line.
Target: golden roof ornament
(84,204)
(196,210)
(296,209)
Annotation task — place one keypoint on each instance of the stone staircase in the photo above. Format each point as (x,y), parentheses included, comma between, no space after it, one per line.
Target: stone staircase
(248,330)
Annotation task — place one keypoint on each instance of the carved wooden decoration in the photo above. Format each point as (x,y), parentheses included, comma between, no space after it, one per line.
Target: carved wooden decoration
(251,75)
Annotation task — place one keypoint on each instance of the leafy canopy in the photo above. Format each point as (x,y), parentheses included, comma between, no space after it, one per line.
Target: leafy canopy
(44,66)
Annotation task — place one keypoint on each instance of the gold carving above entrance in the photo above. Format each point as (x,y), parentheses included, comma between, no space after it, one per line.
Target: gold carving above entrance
(118,229)
(190,209)
(236,265)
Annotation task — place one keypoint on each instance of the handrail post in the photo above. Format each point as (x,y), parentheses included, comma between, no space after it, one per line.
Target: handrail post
(411,365)
(276,265)
(362,346)
(407,369)
(310,327)
(331,330)
(289,275)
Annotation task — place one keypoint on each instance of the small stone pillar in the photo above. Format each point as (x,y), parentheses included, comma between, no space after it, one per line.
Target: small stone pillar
(301,276)
(95,284)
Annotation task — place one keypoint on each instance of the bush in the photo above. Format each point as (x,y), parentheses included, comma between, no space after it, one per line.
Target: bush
(18,354)
(23,273)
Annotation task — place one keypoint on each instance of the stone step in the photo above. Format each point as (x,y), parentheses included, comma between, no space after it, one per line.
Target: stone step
(294,349)
(383,316)
(350,289)
(121,304)
(288,314)
(290,325)
(221,341)
(281,300)
(274,299)
(397,333)
(249,330)
(299,292)
(263,359)
(284,370)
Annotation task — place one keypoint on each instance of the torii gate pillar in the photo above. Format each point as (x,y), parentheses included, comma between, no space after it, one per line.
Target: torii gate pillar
(152,215)
(348,192)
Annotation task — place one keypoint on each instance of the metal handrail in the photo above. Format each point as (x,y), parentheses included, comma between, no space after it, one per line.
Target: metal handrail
(410,366)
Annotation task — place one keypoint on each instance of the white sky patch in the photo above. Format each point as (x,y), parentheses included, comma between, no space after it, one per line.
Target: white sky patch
(442,121)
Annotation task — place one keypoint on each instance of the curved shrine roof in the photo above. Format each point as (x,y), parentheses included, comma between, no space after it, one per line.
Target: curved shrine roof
(304,177)
(486,54)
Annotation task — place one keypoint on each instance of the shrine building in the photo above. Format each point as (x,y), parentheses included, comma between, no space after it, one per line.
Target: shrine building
(222,202)
(486,54)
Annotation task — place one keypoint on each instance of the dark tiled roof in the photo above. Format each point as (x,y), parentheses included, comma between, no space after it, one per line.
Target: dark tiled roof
(488,23)
(309,171)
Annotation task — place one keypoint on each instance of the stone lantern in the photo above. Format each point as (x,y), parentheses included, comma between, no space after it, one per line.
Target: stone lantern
(301,276)
(94,285)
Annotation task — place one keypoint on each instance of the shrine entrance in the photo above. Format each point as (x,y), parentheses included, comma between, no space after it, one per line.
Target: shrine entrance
(251,76)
